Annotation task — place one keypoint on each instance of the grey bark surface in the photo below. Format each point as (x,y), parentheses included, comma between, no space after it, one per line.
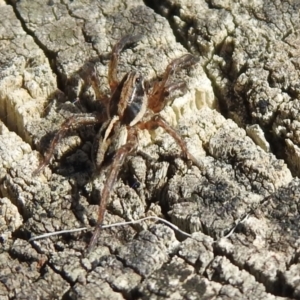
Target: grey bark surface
(239,118)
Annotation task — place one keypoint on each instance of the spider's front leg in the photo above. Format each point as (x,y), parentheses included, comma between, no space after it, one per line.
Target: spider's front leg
(118,161)
(161,89)
(113,81)
(126,41)
(73,122)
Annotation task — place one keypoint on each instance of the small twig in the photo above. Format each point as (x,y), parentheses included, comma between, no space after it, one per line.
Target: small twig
(46,235)
(232,230)
(38,237)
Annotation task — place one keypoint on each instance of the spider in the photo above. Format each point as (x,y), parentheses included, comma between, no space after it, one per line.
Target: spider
(131,107)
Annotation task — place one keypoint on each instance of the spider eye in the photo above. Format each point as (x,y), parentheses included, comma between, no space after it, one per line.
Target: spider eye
(138,80)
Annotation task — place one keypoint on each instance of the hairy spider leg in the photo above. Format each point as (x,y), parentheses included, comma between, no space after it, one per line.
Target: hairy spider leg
(158,121)
(113,80)
(95,83)
(126,41)
(161,89)
(72,122)
(179,85)
(118,162)
(103,141)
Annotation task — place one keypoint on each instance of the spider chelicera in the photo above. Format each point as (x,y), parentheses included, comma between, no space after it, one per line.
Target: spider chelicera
(131,107)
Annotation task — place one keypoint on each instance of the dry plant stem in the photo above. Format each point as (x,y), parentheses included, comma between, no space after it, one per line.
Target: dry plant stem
(232,230)
(42,236)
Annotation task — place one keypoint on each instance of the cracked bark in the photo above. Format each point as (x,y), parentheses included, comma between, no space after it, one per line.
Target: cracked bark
(248,71)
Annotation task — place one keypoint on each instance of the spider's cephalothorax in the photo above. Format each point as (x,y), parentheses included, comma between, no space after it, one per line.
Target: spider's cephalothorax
(131,108)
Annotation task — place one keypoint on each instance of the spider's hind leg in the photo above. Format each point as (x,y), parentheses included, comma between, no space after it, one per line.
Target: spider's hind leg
(118,161)
(158,121)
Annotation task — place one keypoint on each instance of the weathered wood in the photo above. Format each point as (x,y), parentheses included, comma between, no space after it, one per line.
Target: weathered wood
(248,74)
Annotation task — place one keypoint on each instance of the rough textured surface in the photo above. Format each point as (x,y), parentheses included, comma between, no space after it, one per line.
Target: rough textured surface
(239,117)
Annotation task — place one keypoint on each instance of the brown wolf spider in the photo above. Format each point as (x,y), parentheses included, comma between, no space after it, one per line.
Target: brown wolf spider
(131,108)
